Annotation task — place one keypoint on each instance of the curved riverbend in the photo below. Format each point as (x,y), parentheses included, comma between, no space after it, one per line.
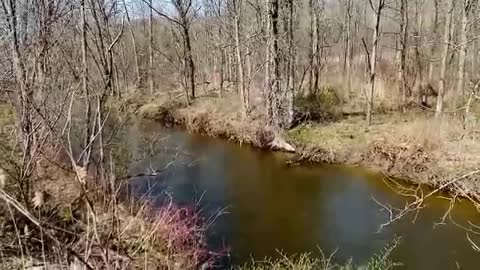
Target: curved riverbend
(269,206)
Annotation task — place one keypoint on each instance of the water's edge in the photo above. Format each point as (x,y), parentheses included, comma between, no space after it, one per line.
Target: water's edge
(271,206)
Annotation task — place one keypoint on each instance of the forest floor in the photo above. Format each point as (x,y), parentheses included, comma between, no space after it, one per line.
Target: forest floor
(413,146)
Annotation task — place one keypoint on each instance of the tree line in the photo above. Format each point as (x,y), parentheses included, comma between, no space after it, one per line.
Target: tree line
(64,61)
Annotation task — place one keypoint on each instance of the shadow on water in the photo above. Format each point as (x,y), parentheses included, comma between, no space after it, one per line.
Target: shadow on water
(268,206)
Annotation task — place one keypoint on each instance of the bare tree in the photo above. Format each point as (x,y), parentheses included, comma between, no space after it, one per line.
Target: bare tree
(475,48)
(216,11)
(273,58)
(403,51)
(467,7)
(151,82)
(237,14)
(348,46)
(134,45)
(314,46)
(85,88)
(184,8)
(377,9)
(185,12)
(445,52)
(433,46)
(290,63)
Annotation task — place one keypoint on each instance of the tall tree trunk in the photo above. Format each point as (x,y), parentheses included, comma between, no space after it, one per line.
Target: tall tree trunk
(475,71)
(474,61)
(348,58)
(274,94)
(475,50)
(150,49)
(403,52)
(463,49)
(134,45)
(419,79)
(365,35)
(313,45)
(268,64)
(237,5)
(85,88)
(248,63)
(290,65)
(318,55)
(316,51)
(373,58)
(24,22)
(220,64)
(230,65)
(433,46)
(443,67)
(189,59)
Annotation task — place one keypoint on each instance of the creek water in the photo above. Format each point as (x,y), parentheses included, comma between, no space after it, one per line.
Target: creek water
(269,207)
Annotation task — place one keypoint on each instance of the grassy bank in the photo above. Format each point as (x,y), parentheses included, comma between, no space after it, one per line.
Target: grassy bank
(208,115)
(413,146)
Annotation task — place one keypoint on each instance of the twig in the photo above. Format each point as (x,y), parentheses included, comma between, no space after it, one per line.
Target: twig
(419,199)
(474,245)
(11,201)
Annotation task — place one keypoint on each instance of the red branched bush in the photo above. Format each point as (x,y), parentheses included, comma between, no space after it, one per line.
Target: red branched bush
(183,231)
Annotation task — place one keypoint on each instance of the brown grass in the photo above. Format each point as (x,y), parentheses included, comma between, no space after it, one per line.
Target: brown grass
(134,235)
(210,116)
(411,146)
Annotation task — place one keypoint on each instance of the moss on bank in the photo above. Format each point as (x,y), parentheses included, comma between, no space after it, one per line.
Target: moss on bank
(412,146)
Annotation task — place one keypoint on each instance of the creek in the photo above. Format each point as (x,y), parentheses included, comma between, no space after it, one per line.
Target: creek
(267,206)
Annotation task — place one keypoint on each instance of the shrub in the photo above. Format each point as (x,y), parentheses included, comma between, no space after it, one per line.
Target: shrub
(321,106)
